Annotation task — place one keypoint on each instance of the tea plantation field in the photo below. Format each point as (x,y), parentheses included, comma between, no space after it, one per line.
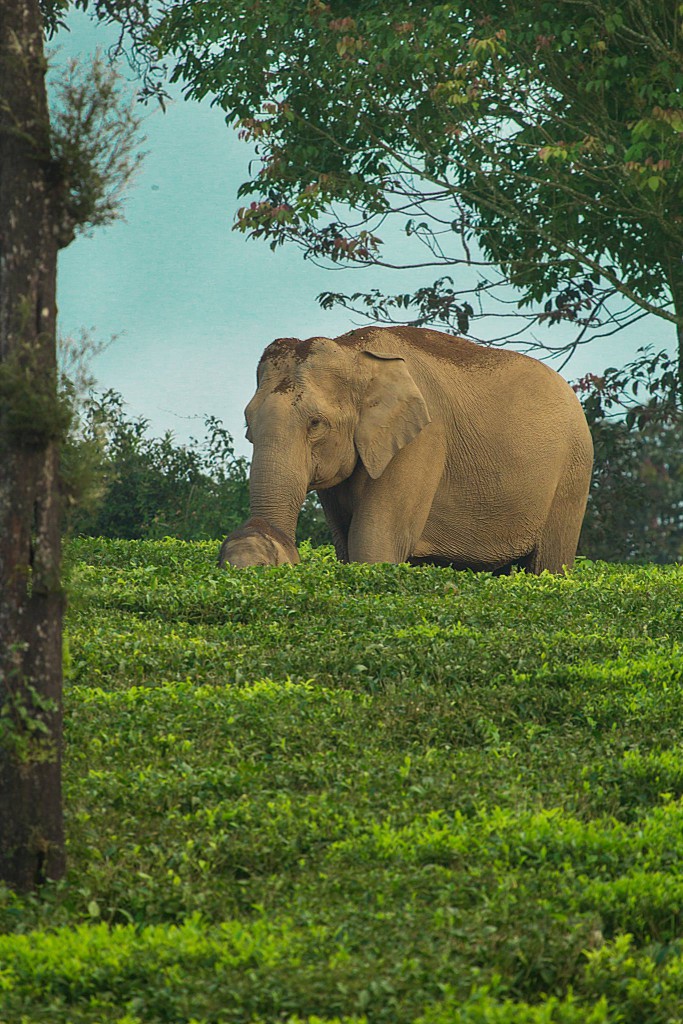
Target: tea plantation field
(361,793)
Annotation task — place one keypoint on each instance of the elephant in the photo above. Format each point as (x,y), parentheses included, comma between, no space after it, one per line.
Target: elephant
(257,543)
(422,447)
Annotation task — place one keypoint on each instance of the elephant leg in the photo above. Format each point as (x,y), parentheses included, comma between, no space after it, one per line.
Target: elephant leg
(334,501)
(390,512)
(556,547)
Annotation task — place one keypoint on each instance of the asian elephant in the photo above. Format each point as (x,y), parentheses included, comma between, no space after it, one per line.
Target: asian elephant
(256,542)
(422,447)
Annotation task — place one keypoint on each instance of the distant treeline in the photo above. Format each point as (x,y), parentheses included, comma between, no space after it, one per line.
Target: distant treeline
(121,482)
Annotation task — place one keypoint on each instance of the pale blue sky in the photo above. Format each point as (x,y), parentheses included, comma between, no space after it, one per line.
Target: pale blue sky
(192,302)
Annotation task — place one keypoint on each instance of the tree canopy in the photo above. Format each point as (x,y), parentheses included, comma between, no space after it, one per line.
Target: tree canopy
(540,144)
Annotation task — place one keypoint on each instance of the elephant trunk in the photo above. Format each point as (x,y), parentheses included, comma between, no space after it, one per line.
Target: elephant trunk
(276,491)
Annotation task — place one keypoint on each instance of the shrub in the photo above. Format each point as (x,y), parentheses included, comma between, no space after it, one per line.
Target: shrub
(635,506)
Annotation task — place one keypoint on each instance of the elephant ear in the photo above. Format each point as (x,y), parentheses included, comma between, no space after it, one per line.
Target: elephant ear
(392,413)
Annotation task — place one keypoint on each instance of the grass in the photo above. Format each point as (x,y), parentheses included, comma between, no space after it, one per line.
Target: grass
(361,793)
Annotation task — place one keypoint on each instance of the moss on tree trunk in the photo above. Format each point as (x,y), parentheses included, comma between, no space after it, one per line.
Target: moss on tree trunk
(31,829)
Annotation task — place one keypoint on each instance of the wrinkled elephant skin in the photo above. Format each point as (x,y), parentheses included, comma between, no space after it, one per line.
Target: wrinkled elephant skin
(422,447)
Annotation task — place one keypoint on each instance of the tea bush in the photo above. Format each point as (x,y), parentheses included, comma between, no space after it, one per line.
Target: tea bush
(351,794)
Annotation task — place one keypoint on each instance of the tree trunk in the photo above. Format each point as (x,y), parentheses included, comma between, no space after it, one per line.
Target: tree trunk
(31,829)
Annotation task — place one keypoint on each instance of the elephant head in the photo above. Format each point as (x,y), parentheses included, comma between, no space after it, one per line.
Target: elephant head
(257,542)
(322,407)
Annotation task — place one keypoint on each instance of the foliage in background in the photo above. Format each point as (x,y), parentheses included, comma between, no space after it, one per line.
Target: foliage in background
(361,794)
(635,508)
(120,482)
(153,487)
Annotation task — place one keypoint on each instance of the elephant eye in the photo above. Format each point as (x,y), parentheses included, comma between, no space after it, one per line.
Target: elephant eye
(317,425)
